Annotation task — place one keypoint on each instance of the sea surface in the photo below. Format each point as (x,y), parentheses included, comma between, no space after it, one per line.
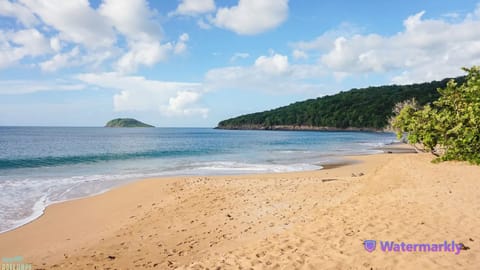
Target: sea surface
(43,165)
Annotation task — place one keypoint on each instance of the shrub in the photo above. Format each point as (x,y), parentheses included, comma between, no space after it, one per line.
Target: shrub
(450,127)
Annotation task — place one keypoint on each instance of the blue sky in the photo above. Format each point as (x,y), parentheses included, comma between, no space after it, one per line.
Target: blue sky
(196,62)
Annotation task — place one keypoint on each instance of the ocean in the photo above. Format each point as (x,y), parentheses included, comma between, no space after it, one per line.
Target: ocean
(43,165)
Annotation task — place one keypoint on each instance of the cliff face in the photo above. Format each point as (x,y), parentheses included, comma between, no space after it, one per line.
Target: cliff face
(126,122)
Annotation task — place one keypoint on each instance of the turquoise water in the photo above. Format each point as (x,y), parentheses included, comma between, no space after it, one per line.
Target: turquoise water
(40,165)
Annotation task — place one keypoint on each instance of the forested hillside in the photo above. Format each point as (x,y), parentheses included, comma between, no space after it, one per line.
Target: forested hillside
(367,108)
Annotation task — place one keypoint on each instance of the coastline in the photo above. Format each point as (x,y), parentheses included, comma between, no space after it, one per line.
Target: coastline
(299,128)
(253,220)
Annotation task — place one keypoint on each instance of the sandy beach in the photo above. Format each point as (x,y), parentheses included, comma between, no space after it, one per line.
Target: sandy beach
(306,220)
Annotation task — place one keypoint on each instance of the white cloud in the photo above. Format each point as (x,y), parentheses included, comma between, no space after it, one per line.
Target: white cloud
(76,57)
(184,37)
(276,64)
(149,53)
(60,60)
(17,87)
(23,43)
(181,45)
(31,41)
(143,53)
(325,41)
(56,44)
(203,24)
(132,18)
(271,73)
(299,54)
(127,27)
(180,105)
(195,7)
(252,17)
(139,24)
(18,11)
(75,20)
(425,50)
(139,94)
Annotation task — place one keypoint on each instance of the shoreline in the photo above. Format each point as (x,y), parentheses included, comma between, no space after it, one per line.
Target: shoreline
(249,219)
(342,161)
(302,128)
(34,216)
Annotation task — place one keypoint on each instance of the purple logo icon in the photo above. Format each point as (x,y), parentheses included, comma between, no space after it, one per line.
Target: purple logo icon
(369,245)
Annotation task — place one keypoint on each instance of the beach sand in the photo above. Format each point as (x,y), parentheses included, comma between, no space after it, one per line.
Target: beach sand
(305,220)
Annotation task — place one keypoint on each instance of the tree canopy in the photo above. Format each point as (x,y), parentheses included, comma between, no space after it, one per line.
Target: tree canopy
(126,122)
(358,108)
(450,126)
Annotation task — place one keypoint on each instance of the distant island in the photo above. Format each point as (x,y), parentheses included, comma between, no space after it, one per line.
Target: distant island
(367,109)
(126,123)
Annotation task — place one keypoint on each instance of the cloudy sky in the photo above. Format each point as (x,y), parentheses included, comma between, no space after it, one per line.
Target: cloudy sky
(196,62)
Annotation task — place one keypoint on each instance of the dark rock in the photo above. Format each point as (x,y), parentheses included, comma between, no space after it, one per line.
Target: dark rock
(463,247)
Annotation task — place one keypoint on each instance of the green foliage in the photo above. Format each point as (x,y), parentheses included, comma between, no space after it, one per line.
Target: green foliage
(358,108)
(449,127)
(126,122)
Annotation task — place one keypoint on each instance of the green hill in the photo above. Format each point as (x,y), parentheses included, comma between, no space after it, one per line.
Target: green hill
(126,122)
(356,109)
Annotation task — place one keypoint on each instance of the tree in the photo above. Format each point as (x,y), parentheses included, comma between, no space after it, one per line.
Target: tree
(370,107)
(450,127)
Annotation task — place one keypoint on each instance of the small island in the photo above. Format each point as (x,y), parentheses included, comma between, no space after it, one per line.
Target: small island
(126,123)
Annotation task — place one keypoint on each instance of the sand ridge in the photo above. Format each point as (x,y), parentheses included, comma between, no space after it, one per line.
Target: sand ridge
(307,220)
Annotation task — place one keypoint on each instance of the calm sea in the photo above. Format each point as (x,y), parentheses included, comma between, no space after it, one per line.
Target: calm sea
(43,165)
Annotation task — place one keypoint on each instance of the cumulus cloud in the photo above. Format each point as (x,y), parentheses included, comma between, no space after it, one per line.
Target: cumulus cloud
(126,29)
(272,73)
(276,64)
(75,20)
(140,94)
(142,53)
(56,44)
(19,12)
(132,18)
(137,22)
(427,49)
(194,7)
(252,17)
(31,41)
(325,41)
(15,45)
(180,105)
(59,60)
(76,57)
(149,53)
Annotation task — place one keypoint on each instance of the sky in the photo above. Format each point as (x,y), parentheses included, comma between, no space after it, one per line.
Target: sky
(193,63)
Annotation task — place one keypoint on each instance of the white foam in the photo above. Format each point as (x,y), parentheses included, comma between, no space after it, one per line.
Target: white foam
(248,167)
(24,200)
